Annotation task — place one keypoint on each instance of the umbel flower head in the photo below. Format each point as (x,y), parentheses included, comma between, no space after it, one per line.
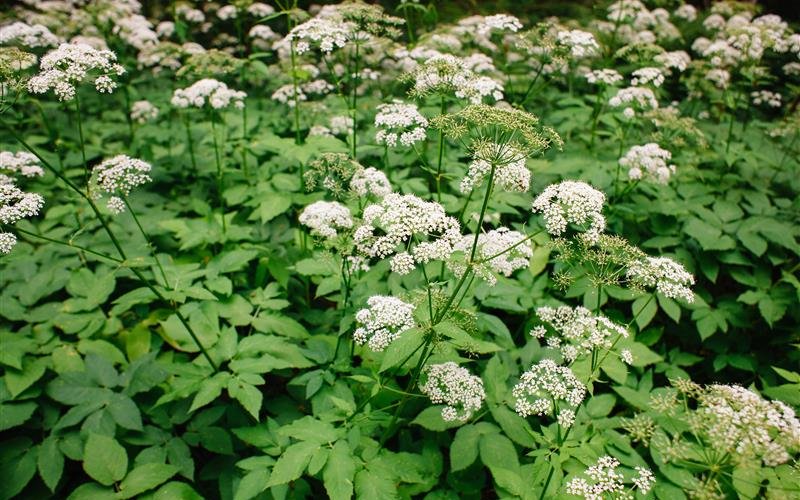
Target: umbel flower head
(72,63)
(668,277)
(143,112)
(325,34)
(445,74)
(370,181)
(15,205)
(572,202)
(578,330)
(500,136)
(117,176)
(602,480)
(326,218)
(29,36)
(382,321)
(21,163)
(648,162)
(335,173)
(399,122)
(449,384)
(208,92)
(424,228)
(549,389)
(500,251)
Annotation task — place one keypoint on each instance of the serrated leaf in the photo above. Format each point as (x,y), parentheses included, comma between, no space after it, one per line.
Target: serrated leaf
(402,347)
(104,459)
(464,449)
(292,463)
(248,395)
(145,477)
(50,462)
(339,473)
(431,419)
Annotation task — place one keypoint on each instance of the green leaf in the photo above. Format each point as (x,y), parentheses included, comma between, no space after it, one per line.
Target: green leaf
(292,462)
(248,395)
(12,415)
(18,466)
(145,477)
(497,451)
(252,484)
(92,491)
(125,412)
(175,490)
(402,347)
(771,310)
(19,380)
(746,481)
(514,426)
(50,462)
(464,449)
(210,390)
(644,309)
(270,207)
(339,473)
(431,419)
(371,484)
(104,459)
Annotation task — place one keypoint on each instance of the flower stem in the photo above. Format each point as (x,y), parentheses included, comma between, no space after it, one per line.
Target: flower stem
(148,240)
(219,169)
(83,144)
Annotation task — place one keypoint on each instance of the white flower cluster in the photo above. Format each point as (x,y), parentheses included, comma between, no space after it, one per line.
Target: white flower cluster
(634,97)
(15,205)
(326,34)
(548,389)
(765,97)
(677,59)
(737,420)
(400,219)
(22,163)
(399,122)
(572,202)
(792,68)
(285,93)
(325,218)
(258,9)
(445,73)
(384,319)
(341,124)
(136,31)
(580,43)
(31,36)
(454,386)
(648,161)
(490,245)
(605,482)
(719,77)
(208,91)
(603,76)
(143,112)
(625,10)
(262,36)
(499,22)
(69,64)
(580,329)
(687,12)
(370,181)
(667,276)
(119,175)
(644,76)
(227,12)
(511,175)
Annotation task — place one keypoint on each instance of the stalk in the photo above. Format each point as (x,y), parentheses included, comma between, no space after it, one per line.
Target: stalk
(83,145)
(483,212)
(219,168)
(441,154)
(148,240)
(355,97)
(189,142)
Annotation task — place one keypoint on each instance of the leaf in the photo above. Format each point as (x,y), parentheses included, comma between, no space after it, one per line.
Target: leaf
(210,390)
(16,470)
(497,451)
(292,462)
(339,473)
(104,459)
(281,325)
(145,477)
(248,395)
(514,426)
(270,207)
(402,348)
(125,412)
(644,309)
(50,462)
(175,490)
(746,481)
(464,449)
(771,310)
(252,484)
(19,380)
(12,415)
(92,491)
(431,419)
(370,484)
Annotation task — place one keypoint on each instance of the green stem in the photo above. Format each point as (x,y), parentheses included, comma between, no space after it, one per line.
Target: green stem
(355,97)
(295,91)
(69,244)
(219,169)
(190,144)
(483,212)
(83,144)
(441,155)
(146,237)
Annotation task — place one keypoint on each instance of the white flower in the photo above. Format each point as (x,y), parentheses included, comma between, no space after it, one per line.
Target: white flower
(259,9)
(143,112)
(581,330)
(648,161)
(399,122)
(625,10)
(286,95)
(326,34)
(227,12)
(262,32)
(451,385)
(626,356)
(319,131)
(190,14)
(510,171)
(547,389)
(341,125)
(643,76)
(677,59)
(640,97)
(326,217)
(572,202)
(31,36)
(384,320)
(165,29)
(487,253)
(644,480)
(22,163)
(686,12)
(445,74)
(70,64)
(604,481)
(770,99)
(499,22)
(664,274)
(580,43)
(603,76)
(208,92)
(395,220)
(7,242)
(118,176)
(719,77)
(370,181)
(16,204)
(792,68)
(115,205)
(136,31)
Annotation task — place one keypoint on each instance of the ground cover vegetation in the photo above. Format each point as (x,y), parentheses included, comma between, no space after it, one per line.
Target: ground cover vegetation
(255,250)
